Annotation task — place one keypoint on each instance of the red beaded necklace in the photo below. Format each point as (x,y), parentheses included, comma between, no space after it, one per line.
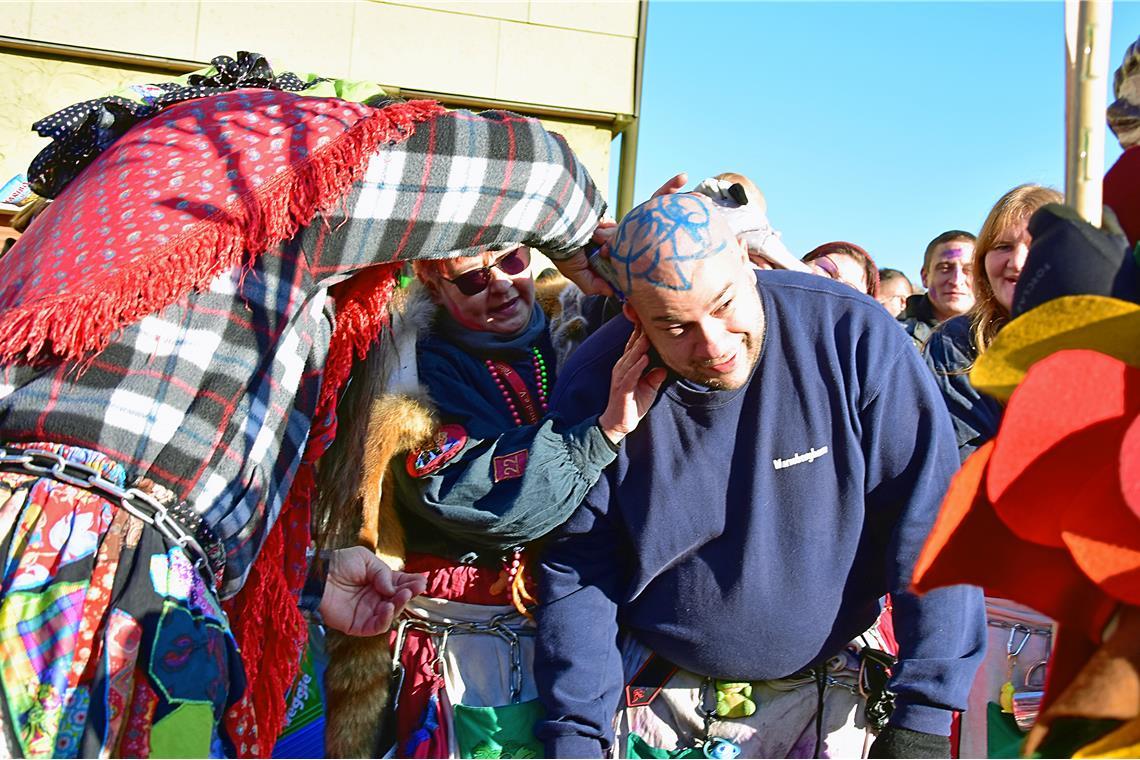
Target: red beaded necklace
(511,386)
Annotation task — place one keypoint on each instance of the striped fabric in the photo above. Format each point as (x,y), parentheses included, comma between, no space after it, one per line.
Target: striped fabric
(213,396)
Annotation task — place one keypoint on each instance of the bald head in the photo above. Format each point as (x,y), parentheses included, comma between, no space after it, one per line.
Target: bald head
(691,289)
(662,242)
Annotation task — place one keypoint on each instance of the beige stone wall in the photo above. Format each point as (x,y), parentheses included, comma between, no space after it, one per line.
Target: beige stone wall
(31,88)
(576,55)
(568,54)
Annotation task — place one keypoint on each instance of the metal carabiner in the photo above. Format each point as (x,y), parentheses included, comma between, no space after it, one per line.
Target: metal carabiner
(1029,674)
(438,664)
(1012,651)
(397,665)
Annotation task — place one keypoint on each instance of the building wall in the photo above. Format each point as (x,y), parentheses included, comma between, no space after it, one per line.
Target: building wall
(564,55)
(33,87)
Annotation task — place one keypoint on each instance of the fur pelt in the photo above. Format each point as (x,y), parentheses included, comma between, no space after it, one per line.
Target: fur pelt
(568,328)
(382,414)
(547,292)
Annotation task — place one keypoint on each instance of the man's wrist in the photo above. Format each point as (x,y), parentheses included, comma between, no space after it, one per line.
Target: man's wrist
(895,741)
(610,432)
(923,718)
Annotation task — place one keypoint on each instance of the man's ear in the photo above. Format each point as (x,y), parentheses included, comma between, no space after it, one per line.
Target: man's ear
(630,314)
(922,276)
(432,288)
(743,245)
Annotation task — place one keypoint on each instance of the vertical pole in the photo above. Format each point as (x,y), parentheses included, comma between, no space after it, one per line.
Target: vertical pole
(1071,9)
(1085,112)
(627,168)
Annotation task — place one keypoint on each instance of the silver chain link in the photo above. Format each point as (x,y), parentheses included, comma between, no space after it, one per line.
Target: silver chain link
(1033,630)
(51,465)
(440,632)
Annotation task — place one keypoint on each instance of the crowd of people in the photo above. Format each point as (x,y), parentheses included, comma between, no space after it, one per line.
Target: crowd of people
(665,499)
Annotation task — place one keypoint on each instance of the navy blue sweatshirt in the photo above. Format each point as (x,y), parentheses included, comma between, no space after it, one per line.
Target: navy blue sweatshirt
(749,534)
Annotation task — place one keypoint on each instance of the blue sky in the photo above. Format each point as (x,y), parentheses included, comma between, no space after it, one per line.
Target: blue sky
(879,123)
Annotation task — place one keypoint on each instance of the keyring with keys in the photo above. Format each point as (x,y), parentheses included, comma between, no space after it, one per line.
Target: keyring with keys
(715,747)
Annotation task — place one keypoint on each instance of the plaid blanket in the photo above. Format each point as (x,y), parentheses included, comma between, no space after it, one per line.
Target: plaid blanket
(212,394)
(199,336)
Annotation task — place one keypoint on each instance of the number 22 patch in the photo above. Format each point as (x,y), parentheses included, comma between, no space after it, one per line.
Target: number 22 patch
(510,466)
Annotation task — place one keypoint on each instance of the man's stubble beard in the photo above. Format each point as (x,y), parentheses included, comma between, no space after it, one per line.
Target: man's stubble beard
(751,349)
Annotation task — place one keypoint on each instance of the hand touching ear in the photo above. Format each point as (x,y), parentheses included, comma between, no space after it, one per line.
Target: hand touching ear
(632,388)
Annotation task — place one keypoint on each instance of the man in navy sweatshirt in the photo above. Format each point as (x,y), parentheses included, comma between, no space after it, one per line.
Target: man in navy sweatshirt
(708,588)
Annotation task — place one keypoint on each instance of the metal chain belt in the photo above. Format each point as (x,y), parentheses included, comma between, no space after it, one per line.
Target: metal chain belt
(179,523)
(440,632)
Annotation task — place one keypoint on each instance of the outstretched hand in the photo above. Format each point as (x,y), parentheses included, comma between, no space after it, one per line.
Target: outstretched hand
(632,389)
(363,595)
(672,185)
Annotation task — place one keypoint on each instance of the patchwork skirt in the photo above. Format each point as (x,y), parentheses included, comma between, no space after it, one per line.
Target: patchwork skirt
(111,644)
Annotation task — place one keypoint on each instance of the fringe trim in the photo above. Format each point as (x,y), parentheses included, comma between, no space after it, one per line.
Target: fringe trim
(361,314)
(49,328)
(267,624)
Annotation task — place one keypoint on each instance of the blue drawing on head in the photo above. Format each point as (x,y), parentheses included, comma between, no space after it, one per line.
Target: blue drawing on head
(657,238)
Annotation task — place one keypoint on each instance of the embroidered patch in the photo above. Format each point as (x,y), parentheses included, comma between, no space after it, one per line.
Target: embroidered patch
(648,681)
(449,441)
(510,466)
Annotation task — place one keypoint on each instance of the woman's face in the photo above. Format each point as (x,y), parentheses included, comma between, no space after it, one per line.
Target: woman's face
(503,305)
(1005,260)
(841,267)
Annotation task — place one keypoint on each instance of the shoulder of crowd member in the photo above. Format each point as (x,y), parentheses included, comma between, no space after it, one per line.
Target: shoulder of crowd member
(794,286)
(918,330)
(950,346)
(583,384)
(918,319)
(919,308)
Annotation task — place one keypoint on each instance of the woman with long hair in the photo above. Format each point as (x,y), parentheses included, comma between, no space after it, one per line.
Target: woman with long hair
(999,255)
(1018,638)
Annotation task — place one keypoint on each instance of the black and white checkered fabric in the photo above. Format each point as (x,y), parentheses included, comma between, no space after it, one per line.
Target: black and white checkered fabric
(214,395)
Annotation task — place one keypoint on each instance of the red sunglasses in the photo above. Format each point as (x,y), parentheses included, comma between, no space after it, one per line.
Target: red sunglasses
(475,281)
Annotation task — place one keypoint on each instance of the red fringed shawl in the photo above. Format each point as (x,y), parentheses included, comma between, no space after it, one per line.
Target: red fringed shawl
(266,621)
(232,177)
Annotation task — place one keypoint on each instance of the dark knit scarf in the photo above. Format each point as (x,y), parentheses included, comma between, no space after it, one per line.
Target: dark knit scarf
(490,345)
